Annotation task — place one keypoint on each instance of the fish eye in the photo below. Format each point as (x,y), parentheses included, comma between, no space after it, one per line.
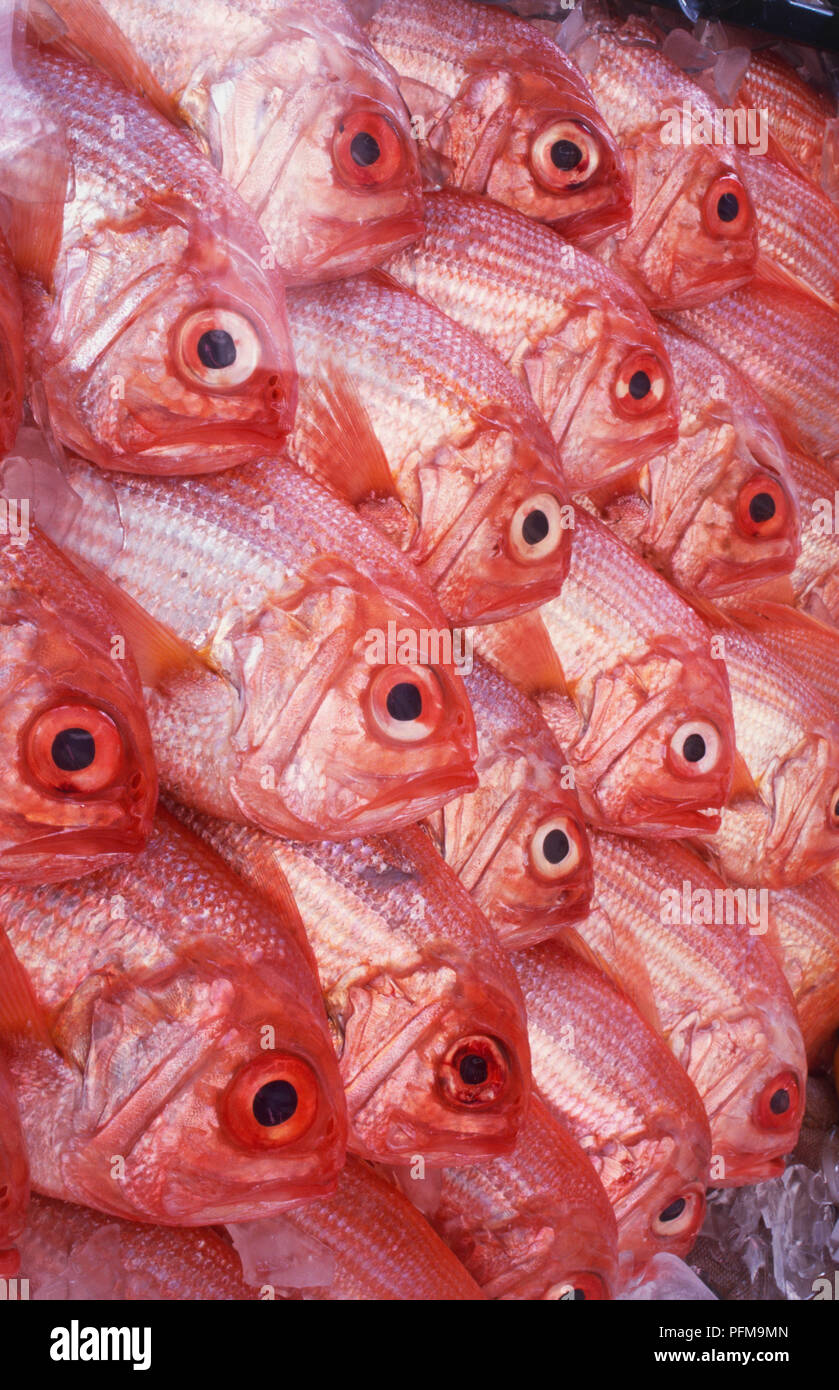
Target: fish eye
(367,150)
(778,1102)
(763,507)
(474,1072)
(536,528)
(217,348)
(271,1102)
(727,209)
(694,748)
(556,848)
(579,1288)
(678,1216)
(74,748)
(405,702)
(641,384)
(564,156)
(833,813)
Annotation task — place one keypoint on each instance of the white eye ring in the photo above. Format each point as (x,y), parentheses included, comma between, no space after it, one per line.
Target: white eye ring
(536,528)
(405,703)
(217,348)
(682,1219)
(555,848)
(695,748)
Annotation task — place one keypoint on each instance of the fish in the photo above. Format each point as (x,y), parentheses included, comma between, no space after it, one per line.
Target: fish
(462,457)
(692,236)
(814,579)
(14,1176)
(74,1253)
(781,825)
(786,344)
(382,1249)
(504,113)
(259,606)
(717,512)
(798,229)
(11,349)
(535,1225)
(695,958)
(518,843)
(423,1002)
(806,941)
(605,1074)
(80,782)
(624,672)
(289,102)
(798,114)
(572,332)
(156,342)
(181,1071)
(797,639)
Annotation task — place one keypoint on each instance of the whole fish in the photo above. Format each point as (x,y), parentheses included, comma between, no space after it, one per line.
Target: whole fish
(798,114)
(782,823)
(271,692)
(605,1074)
(155,340)
(693,956)
(71,1252)
(14,1176)
(625,675)
(534,1225)
(798,229)
(80,783)
(462,450)
(290,102)
(786,344)
(11,349)
(519,842)
(505,113)
(717,511)
(797,639)
(692,236)
(807,944)
(381,1248)
(424,1004)
(191,1077)
(570,330)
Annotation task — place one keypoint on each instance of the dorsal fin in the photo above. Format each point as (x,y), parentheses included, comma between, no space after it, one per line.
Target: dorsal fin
(521,649)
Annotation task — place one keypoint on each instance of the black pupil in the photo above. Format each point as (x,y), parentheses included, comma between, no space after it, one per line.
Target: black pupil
(473,1069)
(762,507)
(728,207)
(216,349)
(675,1209)
(694,748)
(365,149)
(639,385)
(535,528)
(274,1103)
(73,750)
(779,1103)
(404,702)
(565,154)
(578,1294)
(556,846)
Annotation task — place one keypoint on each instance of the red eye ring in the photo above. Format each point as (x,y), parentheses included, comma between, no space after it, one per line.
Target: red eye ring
(641,384)
(778,1104)
(367,150)
(74,748)
(474,1072)
(276,1087)
(833,812)
(727,209)
(762,507)
(564,155)
(583,1286)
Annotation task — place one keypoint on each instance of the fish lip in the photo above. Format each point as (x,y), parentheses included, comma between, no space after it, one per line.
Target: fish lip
(746,1169)
(213,439)
(80,842)
(448,781)
(404,231)
(698,818)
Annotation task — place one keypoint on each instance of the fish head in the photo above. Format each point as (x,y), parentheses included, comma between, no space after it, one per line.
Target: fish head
(210,1081)
(328,157)
(80,785)
(658,1186)
(535,141)
(182,363)
(693,235)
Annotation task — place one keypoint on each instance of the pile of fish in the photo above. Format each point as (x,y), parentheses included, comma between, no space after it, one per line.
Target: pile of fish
(419,646)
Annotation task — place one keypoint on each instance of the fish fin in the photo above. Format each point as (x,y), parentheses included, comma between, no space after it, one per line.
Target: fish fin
(346,450)
(758,614)
(742,783)
(21,1015)
(84,30)
(769,272)
(379,276)
(713,616)
(778,591)
(521,649)
(434,827)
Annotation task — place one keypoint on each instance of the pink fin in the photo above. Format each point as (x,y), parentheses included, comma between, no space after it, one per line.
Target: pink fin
(345,449)
(521,649)
(20,1013)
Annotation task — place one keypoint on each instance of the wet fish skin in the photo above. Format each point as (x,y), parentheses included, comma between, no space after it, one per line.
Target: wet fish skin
(535,1225)
(411,974)
(60,671)
(496,839)
(798,114)
(712,989)
(798,228)
(568,328)
(493,98)
(11,350)
(815,578)
(613,1082)
(466,453)
(14,1176)
(158,981)
(807,945)
(116,319)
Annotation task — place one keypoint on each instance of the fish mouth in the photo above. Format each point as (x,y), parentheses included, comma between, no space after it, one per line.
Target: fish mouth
(80,843)
(211,440)
(402,230)
(704,820)
(744,1169)
(432,791)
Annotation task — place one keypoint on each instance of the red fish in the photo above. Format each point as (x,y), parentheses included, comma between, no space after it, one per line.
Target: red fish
(505,113)
(182,1071)
(806,939)
(14,1175)
(11,350)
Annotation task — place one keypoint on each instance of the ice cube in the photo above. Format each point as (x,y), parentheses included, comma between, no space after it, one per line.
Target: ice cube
(275,1251)
(666,1277)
